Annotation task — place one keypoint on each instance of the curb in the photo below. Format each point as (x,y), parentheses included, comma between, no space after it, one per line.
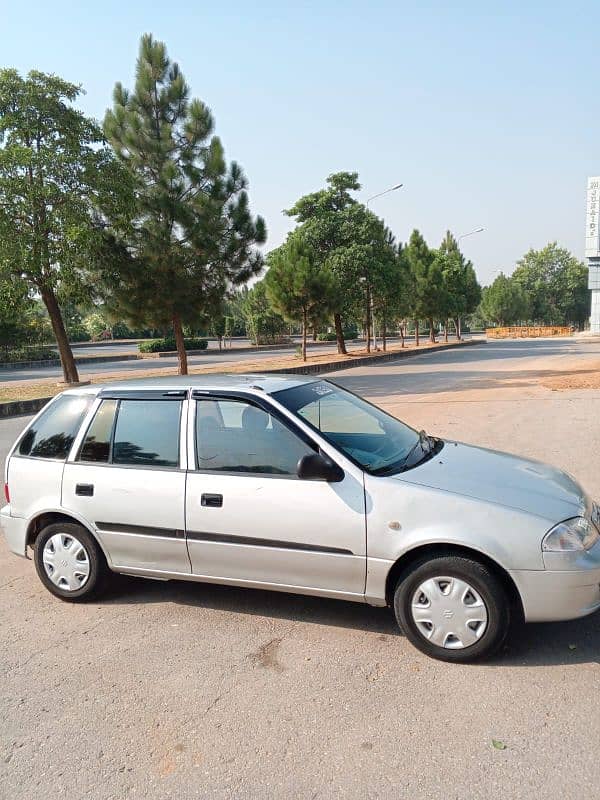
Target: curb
(55,362)
(335,366)
(18,408)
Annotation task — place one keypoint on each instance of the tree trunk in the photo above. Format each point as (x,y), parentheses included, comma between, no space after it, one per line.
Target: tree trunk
(402,333)
(314,333)
(416,333)
(181,353)
(446,330)
(384,333)
(457,328)
(67,360)
(339,335)
(431,330)
(220,338)
(304,325)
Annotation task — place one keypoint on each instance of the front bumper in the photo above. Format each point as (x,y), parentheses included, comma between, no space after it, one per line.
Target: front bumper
(568,588)
(15,532)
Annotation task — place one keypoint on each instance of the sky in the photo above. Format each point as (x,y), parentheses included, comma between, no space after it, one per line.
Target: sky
(488,113)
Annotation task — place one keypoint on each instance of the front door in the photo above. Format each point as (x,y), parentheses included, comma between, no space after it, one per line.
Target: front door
(127,478)
(251,520)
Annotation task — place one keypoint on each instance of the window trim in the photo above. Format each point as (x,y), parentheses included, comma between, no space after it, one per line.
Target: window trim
(252,400)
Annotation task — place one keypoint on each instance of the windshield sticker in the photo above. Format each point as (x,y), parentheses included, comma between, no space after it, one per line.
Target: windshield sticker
(321,389)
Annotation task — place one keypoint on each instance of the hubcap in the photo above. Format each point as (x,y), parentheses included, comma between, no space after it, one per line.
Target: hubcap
(449,613)
(66,562)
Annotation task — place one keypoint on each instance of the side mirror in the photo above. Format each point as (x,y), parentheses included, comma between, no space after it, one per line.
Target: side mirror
(317,467)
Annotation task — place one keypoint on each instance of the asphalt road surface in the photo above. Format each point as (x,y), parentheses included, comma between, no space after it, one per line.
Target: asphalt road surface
(175,690)
(212,356)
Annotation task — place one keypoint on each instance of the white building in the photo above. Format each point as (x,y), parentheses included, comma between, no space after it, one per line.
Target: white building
(592,249)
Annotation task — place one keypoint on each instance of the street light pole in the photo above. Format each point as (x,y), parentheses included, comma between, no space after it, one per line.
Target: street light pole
(470,233)
(462,236)
(370,293)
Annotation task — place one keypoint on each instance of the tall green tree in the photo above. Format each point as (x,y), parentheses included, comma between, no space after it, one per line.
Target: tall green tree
(190,235)
(504,302)
(53,168)
(463,292)
(325,225)
(297,286)
(556,283)
(392,286)
(352,241)
(429,292)
(263,324)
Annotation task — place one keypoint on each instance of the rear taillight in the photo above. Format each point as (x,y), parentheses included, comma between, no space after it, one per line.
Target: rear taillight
(6,493)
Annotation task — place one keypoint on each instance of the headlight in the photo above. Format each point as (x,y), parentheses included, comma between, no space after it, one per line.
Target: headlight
(572,534)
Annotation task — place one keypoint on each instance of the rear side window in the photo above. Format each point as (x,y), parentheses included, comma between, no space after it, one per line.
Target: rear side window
(134,433)
(52,434)
(147,433)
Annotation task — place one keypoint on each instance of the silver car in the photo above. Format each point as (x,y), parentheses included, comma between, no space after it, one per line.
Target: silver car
(297,485)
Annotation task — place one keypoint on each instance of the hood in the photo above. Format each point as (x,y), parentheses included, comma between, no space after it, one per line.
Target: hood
(501,478)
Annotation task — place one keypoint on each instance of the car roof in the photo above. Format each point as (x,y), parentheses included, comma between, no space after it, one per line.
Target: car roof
(244,382)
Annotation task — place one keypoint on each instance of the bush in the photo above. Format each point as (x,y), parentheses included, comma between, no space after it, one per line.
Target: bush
(78,333)
(27,354)
(349,334)
(168,345)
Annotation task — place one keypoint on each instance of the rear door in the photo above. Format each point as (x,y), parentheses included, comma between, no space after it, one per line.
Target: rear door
(127,478)
(250,519)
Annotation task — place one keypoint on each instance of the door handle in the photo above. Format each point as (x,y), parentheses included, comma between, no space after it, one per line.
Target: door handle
(211,500)
(84,489)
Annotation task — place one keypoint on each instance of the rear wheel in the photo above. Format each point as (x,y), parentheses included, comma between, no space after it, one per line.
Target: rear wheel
(452,608)
(69,562)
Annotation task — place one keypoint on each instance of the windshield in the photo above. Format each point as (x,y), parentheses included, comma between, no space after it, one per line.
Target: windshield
(374,440)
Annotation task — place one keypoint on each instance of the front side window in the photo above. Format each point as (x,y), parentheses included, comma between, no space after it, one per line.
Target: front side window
(375,440)
(134,433)
(236,436)
(52,434)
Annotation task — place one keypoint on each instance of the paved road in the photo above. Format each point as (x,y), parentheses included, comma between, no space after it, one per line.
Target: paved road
(212,356)
(191,691)
(110,367)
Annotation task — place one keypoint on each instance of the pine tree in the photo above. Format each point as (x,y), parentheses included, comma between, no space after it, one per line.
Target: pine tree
(190,235)
(297,286)
(428,289)
(463,292)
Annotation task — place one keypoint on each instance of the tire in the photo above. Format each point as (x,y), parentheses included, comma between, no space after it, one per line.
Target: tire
(452,608)
(70,553)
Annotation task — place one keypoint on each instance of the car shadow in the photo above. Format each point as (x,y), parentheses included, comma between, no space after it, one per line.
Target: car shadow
(533,645)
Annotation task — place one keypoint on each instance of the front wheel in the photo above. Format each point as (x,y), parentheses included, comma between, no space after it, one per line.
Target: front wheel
(69,562)
(452,608)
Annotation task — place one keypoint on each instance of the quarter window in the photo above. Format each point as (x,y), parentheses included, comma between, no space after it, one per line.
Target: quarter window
(52,434)
(235,436)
